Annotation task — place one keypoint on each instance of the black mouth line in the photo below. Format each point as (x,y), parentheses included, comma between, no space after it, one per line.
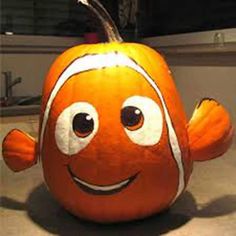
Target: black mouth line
(102,189)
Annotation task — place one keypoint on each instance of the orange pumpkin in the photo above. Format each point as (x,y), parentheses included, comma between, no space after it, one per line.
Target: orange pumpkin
(114,139)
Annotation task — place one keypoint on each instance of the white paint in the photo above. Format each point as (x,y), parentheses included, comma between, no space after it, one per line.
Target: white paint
(66,139)
(102,188)
(85,2)
(150,133)
(98,61)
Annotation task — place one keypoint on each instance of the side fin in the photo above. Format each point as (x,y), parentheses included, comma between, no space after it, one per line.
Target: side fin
(210,131)
(19,150)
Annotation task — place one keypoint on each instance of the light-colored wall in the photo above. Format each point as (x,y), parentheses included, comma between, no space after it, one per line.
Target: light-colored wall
(196,82)
(30,57)
(31,68)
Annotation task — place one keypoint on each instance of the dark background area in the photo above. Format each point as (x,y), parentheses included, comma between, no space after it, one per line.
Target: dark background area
(154,17)
(164,17)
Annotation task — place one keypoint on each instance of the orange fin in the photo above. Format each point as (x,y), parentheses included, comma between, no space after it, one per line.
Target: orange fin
(19,150)
(210,130)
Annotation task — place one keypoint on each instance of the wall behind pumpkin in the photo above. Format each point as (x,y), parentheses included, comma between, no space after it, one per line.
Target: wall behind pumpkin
(30,58)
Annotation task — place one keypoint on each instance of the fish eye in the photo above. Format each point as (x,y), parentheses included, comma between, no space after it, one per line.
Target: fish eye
(75,127)
(142,120)
(83,124)
(132,118)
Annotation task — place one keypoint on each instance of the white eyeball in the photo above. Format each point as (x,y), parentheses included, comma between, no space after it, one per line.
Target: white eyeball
(142,120)
(75,127)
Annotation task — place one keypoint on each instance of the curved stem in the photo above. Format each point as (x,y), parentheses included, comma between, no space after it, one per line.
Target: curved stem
(108,24)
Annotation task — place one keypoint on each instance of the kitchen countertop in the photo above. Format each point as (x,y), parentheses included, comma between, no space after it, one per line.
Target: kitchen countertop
(19,110)
(208,206)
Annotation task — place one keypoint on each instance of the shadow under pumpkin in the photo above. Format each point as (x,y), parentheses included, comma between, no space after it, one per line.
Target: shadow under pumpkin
(43,210)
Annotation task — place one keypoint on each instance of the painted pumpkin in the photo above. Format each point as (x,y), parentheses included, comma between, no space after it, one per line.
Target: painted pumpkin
(114,142)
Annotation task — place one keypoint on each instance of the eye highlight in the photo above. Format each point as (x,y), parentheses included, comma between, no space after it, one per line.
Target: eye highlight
(132,118)
(75,127)
(142,120)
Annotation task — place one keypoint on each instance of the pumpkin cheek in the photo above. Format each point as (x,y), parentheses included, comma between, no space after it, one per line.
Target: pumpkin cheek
(143,173)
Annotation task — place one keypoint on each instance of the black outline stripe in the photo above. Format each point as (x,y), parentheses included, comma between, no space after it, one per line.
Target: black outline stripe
(206,99)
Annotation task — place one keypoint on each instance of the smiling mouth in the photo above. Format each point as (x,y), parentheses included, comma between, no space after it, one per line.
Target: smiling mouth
(102,189)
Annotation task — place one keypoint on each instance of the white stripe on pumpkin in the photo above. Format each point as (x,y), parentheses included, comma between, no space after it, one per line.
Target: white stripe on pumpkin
(99,61)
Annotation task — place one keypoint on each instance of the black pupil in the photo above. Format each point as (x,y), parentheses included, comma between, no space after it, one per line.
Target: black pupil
(130,116)
(83,123)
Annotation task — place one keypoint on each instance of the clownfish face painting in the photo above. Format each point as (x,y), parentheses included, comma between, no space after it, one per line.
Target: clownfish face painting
(114,141)
(114,134)
(108,139)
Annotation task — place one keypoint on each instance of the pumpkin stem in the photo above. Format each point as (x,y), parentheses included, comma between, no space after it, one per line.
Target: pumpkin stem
(108,24)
